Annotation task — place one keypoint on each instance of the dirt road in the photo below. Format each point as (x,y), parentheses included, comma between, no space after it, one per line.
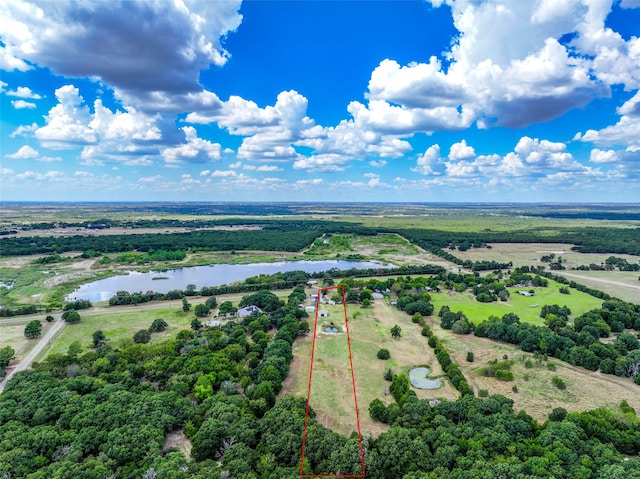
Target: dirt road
(601,280)
(26,362)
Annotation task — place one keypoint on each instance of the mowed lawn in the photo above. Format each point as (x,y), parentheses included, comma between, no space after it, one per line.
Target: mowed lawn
(331,391)
(119,325)
(527,308)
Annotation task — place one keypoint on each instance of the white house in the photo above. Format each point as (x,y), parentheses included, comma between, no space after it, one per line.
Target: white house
(525,293)
(323,313)
(377,295)
(309,309)
(244,312)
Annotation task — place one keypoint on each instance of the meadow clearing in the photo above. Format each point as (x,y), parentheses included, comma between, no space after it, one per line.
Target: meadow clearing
(536,393)
(331,395)
(526,307)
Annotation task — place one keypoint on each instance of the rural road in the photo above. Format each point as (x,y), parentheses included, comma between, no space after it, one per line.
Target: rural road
(26,362)
(601,280)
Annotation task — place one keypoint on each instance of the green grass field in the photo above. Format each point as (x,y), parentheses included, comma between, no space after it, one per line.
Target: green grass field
(120,325)
(332,397)
(12,334)
(384,244)
(527,308)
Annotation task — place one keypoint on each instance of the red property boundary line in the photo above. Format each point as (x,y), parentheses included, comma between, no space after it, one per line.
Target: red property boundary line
(353,384)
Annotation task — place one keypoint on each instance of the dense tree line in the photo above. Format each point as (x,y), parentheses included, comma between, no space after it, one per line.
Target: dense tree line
(108,410)
(293,239)
(19,310)
(293,235)
(586,239)
(579,344)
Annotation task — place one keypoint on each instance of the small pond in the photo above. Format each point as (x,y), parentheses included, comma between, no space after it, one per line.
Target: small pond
(215,275)
(419,379)
(331,329)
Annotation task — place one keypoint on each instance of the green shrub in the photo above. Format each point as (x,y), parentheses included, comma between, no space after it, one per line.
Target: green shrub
(470,356)
(483,393)
(503,375)
(384,354)
(559,383)
(142,336)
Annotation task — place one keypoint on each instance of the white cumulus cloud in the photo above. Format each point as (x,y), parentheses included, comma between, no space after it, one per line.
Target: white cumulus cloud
(141,48)
(24,152)
(21,104)
(429,163)
(195,150)
(24,92)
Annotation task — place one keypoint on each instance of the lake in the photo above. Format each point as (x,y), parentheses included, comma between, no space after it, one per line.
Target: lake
(201,276)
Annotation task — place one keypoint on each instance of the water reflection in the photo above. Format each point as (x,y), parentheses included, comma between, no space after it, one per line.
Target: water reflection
(201,276)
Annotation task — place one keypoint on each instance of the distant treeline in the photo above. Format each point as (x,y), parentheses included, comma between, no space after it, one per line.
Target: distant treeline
(587,240)
(589,215)
(294,235)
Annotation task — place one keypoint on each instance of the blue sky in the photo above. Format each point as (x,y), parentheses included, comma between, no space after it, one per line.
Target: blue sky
(435,100)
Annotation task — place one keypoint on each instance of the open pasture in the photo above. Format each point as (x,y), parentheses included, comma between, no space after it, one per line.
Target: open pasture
(535,392)
(120,324)
(527,308)
(529,254)
(370,331)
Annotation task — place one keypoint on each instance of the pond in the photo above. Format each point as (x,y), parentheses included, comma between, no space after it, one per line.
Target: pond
(331,329)
(201,276)
(419,379)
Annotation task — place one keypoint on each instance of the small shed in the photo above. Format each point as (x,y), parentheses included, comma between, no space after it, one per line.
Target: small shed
(377,295)
(309,309)
(323,313)
(212,323)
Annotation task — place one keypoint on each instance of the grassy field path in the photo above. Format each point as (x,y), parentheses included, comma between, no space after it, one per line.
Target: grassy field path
(26,362)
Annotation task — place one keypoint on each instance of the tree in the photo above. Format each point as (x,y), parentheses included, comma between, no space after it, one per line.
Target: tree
(33,329)
(384,354)
(6,355)
(186,306)
(49,318)
(71,316)
(196,325)
(98,338)
(227,308)
(396,332)
(202,310)
(211,301)
(75,348)
(142,336)
(158,325)
(470,356)
(378,411)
